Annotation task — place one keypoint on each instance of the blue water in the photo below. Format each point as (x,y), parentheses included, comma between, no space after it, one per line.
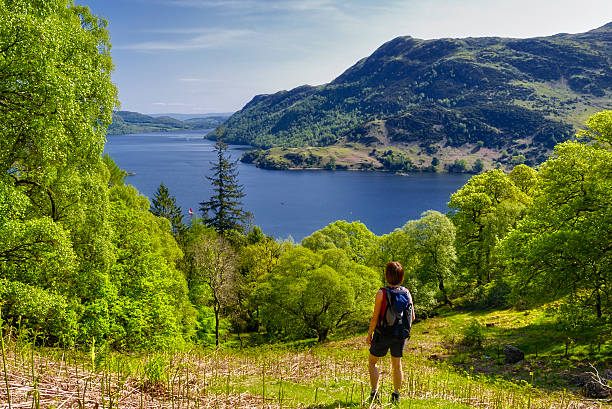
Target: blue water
(284,203)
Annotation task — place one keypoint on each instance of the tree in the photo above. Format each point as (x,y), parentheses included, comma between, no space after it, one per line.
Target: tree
(525,178)
(562,250)
(432,237)
(312,293)
(56,99)
(354,238)
(223,211)
(56,92)
(256,261)
(483,211)
(164,205)
(148,303)
(117,175)
(95,264)
(214,265)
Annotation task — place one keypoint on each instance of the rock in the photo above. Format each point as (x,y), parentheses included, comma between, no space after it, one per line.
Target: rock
(512,354)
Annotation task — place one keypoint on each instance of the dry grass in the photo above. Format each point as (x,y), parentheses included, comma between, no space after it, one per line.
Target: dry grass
(329,375)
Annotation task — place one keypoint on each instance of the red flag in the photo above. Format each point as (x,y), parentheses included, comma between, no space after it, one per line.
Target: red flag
(190,211)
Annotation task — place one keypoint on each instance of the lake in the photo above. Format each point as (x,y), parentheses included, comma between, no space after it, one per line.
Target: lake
(284,203)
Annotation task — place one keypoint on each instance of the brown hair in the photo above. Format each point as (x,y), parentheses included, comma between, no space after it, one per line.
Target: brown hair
(394,273)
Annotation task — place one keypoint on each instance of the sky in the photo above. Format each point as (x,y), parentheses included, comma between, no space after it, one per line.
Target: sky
(203,56)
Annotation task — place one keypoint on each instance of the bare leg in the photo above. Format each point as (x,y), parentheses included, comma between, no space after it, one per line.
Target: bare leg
(374,374)
(398,375)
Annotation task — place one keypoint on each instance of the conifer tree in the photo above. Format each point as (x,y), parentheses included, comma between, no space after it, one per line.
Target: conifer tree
(164,205)
(223,211)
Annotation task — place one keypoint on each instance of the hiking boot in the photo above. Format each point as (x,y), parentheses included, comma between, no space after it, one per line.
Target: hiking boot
(374,397)
(395,398)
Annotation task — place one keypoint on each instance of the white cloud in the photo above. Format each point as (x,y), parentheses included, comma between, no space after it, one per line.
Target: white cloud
(333,7)
(207,39)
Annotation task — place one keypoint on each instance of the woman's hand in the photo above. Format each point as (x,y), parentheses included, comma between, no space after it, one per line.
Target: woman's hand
(369,339)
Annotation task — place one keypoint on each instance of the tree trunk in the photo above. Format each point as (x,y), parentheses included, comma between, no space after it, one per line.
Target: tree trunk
(447,301)
(216,326)
(322,335)
(598,304)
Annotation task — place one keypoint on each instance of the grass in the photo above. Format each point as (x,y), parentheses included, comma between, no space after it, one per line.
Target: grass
(547,363)
(329,375)
(572,107)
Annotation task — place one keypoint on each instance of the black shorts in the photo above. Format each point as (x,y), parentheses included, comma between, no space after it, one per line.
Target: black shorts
(382,343)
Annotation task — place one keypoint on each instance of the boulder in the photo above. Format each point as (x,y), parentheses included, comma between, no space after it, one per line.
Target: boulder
(513,355)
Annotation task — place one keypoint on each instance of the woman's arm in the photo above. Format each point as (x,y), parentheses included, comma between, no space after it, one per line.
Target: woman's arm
(375,315)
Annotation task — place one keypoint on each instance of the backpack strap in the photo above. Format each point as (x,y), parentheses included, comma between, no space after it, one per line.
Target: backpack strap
(383,306)
(383,311)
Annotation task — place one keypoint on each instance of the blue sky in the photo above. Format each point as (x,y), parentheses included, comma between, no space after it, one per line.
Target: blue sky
(198,56)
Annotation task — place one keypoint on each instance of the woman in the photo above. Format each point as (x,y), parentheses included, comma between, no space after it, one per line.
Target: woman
(385,339)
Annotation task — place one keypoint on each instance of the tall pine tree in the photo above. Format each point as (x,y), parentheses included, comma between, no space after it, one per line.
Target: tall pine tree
(223,211)
(164,205)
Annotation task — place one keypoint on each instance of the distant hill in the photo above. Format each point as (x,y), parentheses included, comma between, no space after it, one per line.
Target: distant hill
(500,100)
(183,117)
(126,122)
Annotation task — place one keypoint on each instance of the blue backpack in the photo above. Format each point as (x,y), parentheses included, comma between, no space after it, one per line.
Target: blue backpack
(395,312)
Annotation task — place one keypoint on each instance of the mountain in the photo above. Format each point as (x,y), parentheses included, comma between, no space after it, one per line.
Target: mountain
(501,100)
(126,122)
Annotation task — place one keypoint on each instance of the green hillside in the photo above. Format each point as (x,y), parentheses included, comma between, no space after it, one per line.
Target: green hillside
(503,100)
(126,122)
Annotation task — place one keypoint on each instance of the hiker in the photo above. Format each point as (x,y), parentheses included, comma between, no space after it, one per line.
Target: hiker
(390,328)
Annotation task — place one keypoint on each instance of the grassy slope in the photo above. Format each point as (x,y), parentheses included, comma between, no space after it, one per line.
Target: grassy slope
(330,375)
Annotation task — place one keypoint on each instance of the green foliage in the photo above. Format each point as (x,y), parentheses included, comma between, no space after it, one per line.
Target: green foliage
(312,293)
(354,238)
(562,247)
(599,129)
(525,178)
(478,166)
(223,211)
(155,371)
(484,210)
(58,58)
(395,161)
(576,320)
(472,335)
(149,306)
(164,205)
(432,239)
(256,261)
(459,166)
(51,315)
(212,269)
(496,294)
(117,175)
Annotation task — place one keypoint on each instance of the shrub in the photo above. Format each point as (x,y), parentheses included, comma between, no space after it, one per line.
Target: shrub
(40,310)
(472,335)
